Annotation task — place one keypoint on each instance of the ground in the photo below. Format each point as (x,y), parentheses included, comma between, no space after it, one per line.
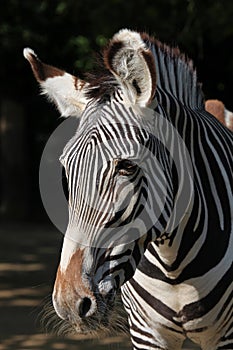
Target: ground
(29,255)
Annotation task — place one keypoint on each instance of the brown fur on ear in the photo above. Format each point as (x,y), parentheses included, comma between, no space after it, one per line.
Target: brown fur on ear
(219,111)
(110,52)
(62,88)
(216,108)
(41,70)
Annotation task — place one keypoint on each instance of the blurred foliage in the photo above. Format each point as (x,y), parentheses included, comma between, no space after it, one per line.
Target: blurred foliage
(66,33)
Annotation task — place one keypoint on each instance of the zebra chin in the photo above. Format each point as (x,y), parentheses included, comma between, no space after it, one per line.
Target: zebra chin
(91,314)
(87,316)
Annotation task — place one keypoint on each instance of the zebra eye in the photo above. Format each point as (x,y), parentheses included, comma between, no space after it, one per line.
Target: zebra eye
(126,167)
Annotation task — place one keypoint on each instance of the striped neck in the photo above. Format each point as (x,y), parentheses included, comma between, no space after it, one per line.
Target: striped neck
(175,74)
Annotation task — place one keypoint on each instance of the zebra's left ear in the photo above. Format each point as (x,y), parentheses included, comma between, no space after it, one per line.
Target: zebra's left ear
(62,88)
(132,63)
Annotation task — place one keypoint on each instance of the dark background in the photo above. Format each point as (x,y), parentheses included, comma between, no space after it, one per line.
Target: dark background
(65,34)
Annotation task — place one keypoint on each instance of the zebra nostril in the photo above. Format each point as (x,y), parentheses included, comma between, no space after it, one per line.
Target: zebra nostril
(84,307)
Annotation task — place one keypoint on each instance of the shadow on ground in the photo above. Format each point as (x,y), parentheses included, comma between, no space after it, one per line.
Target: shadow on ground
(29,256)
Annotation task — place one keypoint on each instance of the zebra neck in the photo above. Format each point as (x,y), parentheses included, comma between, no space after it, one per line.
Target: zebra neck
(176,75)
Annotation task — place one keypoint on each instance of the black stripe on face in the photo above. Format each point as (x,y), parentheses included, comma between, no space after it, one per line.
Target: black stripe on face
(65,184)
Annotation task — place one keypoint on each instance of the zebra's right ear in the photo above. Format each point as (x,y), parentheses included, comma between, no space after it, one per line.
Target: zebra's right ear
(64,89)
(132,63)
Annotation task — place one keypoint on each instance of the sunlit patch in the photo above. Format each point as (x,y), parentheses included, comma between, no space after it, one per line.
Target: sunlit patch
(45,342)
(21,267)
(21,296)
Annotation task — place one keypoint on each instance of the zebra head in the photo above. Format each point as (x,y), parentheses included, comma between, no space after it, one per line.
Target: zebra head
(118,169)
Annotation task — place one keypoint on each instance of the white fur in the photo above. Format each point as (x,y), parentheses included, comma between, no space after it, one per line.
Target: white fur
(61,90)
(69,248)
(129,65)
(131,39)
(68,95)
(27,52)
(228,118)
(106,285)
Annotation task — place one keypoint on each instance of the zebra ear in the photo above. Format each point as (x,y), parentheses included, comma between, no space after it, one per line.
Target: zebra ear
(64,89)
(132,63)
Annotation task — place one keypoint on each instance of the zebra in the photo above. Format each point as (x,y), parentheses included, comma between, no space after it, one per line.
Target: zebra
(149,175)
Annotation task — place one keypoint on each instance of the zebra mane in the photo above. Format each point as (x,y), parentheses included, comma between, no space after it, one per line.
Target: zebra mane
(101,82)
(175,73)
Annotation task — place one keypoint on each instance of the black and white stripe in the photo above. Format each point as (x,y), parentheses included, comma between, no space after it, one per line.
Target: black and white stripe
(190,293)
(149,174)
